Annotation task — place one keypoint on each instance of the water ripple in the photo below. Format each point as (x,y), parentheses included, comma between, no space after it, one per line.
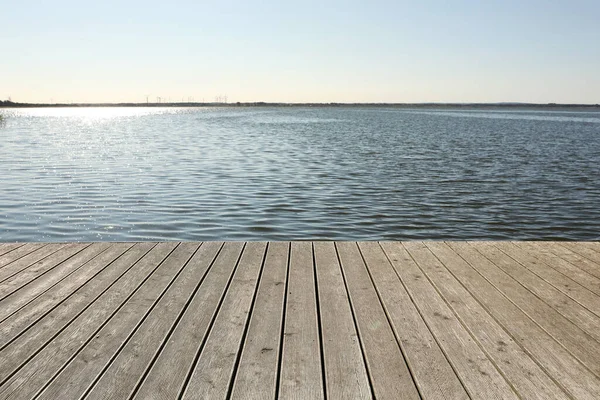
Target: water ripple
(298,174)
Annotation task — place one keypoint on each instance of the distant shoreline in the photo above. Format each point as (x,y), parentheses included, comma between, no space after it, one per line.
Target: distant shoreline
(9,104)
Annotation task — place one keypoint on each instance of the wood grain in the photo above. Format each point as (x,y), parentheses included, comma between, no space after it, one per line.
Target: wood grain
(300,320)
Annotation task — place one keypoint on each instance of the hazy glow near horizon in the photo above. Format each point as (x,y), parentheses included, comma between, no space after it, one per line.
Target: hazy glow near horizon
(340,51)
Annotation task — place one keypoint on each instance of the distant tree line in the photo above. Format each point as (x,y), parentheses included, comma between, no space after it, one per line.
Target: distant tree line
(8,103)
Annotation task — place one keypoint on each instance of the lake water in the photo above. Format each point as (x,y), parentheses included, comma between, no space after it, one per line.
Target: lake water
(134,174)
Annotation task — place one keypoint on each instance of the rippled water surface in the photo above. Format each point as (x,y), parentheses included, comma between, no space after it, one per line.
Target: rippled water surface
(298,173)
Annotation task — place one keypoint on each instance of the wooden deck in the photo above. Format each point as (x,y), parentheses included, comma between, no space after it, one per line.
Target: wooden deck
(302,320)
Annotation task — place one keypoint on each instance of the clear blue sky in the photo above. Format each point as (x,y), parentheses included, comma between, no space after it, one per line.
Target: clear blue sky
(301,51)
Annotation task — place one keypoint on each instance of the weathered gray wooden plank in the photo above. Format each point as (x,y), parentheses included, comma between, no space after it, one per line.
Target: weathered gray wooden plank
(431,371)
(563,273)
(345,371)
(567,307)
(528,379)
(301,375)
(33,376)
(588,248)
(49,321)
(18,253)
(389,374)
(256,376)
(168,374)
(560,364)
(582,250)
(19,321)
(153,353)
(22,278)
(595,245)
(68,332)
(8,247)
(572,257)
(212,374)
(124,373)
(27,260)
(38,286)
(166,283)
(478,373)
(573,338)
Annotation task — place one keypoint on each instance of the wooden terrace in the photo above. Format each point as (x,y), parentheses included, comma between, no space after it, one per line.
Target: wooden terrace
(300,320)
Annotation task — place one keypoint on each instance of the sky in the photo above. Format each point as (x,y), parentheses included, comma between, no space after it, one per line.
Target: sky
(301,51)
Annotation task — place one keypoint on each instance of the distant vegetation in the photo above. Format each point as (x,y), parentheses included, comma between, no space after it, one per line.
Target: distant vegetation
(12,104)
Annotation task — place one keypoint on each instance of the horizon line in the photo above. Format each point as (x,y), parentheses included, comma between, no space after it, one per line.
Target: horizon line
(13,104)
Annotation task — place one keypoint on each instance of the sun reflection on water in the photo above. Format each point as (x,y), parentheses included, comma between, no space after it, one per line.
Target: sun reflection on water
(95,113)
